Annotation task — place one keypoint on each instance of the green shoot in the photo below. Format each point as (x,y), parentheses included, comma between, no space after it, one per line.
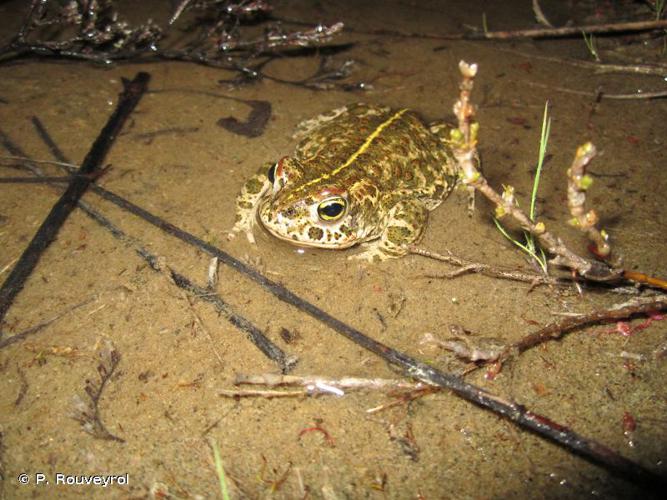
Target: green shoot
(589,40)
(220,470)
(485,26)
(530,247)
(544,141)
(659,7)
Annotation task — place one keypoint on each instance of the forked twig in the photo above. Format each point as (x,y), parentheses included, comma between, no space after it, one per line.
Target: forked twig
(86,411)
(466,266)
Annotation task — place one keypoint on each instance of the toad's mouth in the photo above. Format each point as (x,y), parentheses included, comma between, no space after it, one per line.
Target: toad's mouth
(329,239)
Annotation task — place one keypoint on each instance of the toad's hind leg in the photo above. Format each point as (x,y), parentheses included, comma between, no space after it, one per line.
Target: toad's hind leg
(405,226)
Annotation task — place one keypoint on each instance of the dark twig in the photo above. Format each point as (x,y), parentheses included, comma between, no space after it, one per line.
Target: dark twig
(602,95)
(34,329)
(466,266)
(568,31)
(562,32)
(556,331)
(34,180)
(87,412)
(254,334)
(61,210)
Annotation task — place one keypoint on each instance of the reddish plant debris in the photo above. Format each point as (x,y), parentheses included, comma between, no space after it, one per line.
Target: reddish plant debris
(327,437)
(627,330)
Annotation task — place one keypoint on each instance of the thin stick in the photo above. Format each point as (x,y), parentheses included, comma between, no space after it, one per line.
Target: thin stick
(254,334)
(641,69)
(34,329)
(34,180)
(557,330)
(601,95)
(61,210)
(563,32)
(567,31)
(350,383)
(485,269)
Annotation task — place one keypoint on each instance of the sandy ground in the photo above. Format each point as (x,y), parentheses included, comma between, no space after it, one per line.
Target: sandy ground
(177,353)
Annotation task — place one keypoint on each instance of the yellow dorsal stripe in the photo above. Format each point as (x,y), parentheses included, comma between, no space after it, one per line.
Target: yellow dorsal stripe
(368,141)
(359,151)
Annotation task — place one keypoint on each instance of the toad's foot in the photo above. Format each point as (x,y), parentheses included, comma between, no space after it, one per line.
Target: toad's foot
(247,204)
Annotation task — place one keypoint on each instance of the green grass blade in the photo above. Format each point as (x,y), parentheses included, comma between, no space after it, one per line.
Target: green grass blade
(544,141)
(220,470)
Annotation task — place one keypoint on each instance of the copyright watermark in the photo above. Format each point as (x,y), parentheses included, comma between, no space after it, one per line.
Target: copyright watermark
(103,480)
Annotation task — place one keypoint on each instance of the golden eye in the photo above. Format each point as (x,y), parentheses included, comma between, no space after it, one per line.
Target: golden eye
(332,209)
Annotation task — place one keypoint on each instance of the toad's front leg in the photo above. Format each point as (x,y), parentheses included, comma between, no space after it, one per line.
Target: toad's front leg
(405,226)
(247,203)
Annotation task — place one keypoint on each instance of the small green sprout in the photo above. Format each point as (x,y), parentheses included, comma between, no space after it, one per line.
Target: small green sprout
(589,40)
(530,247)
(220,470)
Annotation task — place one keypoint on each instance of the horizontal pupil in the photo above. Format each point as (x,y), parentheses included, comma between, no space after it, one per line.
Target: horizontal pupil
(332,209)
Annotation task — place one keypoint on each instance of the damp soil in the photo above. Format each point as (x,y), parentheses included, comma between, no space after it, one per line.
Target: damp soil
(177,159)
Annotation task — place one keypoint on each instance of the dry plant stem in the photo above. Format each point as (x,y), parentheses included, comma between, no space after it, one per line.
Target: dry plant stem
(485,269)
(350,383)
(87,412)
(563,32)
(539,15)
(571,30)
(34,329)
(641,69)
(646,279)
(616,313)
(576,199)
(556,331)
(600,95)
(268,394)
(466,156)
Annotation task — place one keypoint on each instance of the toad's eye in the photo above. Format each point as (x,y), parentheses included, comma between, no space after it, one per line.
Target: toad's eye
(332,209)
(271,174)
